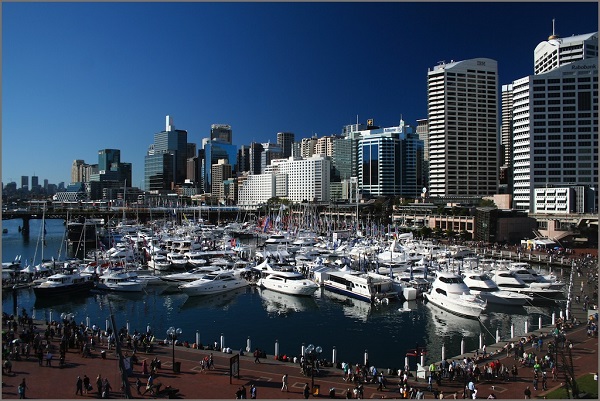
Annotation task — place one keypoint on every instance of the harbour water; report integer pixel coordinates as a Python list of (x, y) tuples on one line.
[(352, 327)]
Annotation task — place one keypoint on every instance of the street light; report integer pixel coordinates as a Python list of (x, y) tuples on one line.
[(312, 352), (173, 333)]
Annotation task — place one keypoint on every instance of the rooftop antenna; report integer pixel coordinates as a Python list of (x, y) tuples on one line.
[(554, 35), (357, 119)]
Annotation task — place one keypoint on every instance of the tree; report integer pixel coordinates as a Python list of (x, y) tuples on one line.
[(425, 232), (487, 203)]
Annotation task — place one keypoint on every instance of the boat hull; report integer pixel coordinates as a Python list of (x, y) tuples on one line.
[(472, 312), (79, 288)]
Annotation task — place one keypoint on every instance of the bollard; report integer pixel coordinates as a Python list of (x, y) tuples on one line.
[(334, 355), (128, 327), (51, 315), (480, 340), (512, 330), (567, 312), (276, 348), (87, 321), (406, 362), (540, 323), (106, 329), (560, 314), (422, 359), (249, 345), (462, 346), (497, 336), (443, 352), (366, 358), (539, 258), (553, 318), (33, 314), (526, 327), (222, 341), (148, 328), (197, 339), (302, 349)]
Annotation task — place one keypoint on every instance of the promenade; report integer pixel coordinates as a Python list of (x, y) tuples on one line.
[(54, 382)]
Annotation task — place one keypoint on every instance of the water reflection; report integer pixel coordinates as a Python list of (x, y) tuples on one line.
[(281, 304)]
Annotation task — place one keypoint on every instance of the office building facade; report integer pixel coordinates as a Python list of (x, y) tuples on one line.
[(463, 128)]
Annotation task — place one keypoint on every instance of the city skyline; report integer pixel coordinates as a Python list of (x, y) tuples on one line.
[(91, 76)]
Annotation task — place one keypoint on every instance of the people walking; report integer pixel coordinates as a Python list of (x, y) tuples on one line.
[(253, 391), (284, 382), (99, 385), (306, 391), (79, 386), (527, 393), (86, 384), (256, 356), (21, 389)]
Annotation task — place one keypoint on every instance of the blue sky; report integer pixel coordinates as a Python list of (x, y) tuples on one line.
[(80, 77)]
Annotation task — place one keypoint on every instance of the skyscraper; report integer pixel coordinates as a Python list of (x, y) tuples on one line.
[(25, 182), (285, 141), (463, 128), (106, 158), (555, 120), (165, 164), (221, 132)]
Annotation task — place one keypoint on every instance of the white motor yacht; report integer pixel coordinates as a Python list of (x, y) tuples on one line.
[(508, 280), (214, 283), (190, 275), (450, 292), (365, 286), (119, 281), (285, 281), (481, 284), (177, 260), (195, 258)]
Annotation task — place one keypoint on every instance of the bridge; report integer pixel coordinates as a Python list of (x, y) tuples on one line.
[(211, 214)]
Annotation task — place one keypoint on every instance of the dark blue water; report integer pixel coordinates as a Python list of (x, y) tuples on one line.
[(265, 316)]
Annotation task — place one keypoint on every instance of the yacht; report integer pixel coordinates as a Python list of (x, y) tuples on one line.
[(177, 260), (119, 281), (214, 283), (285, 281), (190, 275), (526, 273), (277, 239), (159, 262), (508, 280), (365, 286), (195, 258), (69, 281), (450, 292), (481, 284)]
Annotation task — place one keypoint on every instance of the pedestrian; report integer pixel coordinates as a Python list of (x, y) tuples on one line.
[(210, 362), (253, 391), (284, 382), (79, 386), (138, 385), (86, 384), (244, 394), (544, 381), (99, 385), (256, 356), (49, 359), (21, 389), (106, 389), (527, 393), (306, 391)]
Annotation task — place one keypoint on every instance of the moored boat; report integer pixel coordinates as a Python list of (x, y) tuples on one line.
[(69, 281), (450, 292)]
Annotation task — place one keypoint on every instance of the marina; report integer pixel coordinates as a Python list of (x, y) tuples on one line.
[(396, 324)]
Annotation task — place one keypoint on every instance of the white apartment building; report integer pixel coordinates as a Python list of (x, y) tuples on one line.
[(324, 146), (555, 126), (307, 147), (463, 128), (295, 179)]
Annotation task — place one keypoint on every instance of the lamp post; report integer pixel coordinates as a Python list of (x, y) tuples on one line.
[(173, 333), (312, 352)]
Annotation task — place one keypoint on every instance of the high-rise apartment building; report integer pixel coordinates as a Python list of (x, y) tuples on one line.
[(307, 147), (220, 172), (270, 152), (255, 155), (324, 146), (165, 164), (285, 141), (463, 128), (423, 133)]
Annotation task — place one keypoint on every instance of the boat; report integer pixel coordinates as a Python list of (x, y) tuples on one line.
[(481, 284), (159, 262), (365, 286), (449, 291), (177, 260), (189, 276), (120, 281), (277, 239), (69, 281), (195, 258), (214, 283), (286, 281), (526, 273), (508, 280)]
